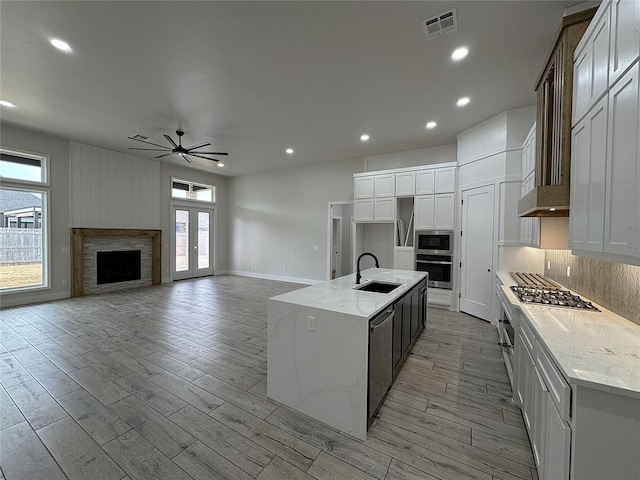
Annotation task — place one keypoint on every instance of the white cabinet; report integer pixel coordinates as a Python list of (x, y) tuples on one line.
[(591, 65), (544, 397), (384, 209), (404, 258), (622, 174), (625, 37), (529, 226), (588, 162), (363, 187), (557, 451), (434, 212), (426, 182), (605, 215), (385, 186), (444, 215), (363, 210), (405, 184), (445, 180), (375, 210), (424, 212)]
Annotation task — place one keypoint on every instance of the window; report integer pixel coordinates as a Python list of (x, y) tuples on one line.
[(23, 221), (193, 191), (22, 167)]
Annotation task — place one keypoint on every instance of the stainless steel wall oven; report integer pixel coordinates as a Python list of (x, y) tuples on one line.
[(439, 268)]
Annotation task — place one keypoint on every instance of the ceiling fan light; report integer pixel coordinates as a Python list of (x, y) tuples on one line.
[(220, 164)]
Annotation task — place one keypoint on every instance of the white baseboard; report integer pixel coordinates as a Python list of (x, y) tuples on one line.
[(280, 278)]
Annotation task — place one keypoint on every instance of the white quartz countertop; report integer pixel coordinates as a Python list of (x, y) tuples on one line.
[(600, 350), (339, 295)]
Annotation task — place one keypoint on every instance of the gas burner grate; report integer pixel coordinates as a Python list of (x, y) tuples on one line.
[(553, 297)]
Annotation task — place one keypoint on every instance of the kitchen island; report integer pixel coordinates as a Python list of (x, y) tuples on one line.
[(318, 345)]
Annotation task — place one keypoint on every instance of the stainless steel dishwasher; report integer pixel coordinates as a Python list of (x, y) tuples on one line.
[(380, 360)]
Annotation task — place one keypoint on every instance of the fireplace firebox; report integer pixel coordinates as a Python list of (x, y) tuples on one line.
[(118, 266)]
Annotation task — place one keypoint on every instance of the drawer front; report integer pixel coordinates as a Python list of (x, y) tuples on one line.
[(527, 335), (559, 390)]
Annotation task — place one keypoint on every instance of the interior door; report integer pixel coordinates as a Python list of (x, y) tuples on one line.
[(476, 277), (192, 242)]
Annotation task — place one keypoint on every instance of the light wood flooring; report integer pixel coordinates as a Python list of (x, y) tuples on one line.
[(169, 382)]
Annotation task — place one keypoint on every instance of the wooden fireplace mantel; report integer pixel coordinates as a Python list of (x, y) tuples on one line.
[(77, 252)]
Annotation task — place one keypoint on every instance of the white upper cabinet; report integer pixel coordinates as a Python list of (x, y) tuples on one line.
[(444, 214), (385, 185), (363, 187), (435, 212), (622, 175), (384, 209), (605, 208), (445, 181), (405, 184), (625, 37), (425, 208), (591, 63), (588, 163), (363, 210), (425, 182)]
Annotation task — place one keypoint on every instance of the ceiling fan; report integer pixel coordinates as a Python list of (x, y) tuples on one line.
[(177, 148)]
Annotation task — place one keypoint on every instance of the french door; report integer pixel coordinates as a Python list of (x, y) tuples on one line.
[(192, 242)]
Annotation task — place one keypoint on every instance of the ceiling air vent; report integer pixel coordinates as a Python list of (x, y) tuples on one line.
[(446, 22), (139, 137)]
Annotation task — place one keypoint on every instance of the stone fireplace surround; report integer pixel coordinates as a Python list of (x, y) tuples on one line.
[(86, 241)]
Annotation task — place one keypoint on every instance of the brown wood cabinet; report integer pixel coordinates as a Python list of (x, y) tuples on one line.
[(554, 90)]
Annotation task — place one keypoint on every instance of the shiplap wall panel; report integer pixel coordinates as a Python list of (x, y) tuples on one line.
[(113, 190)]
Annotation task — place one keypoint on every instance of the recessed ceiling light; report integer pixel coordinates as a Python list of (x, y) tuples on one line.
[(364, 137), (6, 103), (463, 101), (61, 45), (552, 209), (289, 151), (220, 164), (459, 53), (431, 125)]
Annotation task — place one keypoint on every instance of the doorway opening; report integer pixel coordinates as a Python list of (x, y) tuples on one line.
[(341, 227)]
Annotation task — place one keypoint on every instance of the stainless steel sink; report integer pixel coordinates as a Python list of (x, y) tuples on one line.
[(378, 287)]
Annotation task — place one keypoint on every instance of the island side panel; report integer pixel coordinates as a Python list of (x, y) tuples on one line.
[(321, 373)]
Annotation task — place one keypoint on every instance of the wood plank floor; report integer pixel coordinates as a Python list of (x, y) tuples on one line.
[(169, 382)]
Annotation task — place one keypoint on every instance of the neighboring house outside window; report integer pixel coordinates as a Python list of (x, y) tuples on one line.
[(24, 193)]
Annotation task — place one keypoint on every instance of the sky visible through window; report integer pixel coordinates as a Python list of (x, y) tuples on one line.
[(18, 171)]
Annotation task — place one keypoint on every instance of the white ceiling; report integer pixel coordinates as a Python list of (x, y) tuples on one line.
[(254, 78)]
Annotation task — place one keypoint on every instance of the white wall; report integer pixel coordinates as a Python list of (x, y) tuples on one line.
[(278, 217), (411, 158), (59, 211)]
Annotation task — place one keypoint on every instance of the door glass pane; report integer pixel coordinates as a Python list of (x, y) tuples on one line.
[(21, 242), (182, 240), (203, 240)]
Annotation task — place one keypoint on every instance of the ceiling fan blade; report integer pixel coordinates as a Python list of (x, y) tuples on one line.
[(200, 145), (149, 143), (170, 140), (206, 158), (186, 157), (213, 153), (152, 149), (165, 155)]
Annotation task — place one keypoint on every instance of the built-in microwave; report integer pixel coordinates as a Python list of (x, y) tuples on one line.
[(434, 242)]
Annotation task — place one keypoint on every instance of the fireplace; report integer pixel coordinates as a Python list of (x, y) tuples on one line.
[(108, 259), (118, 266)]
